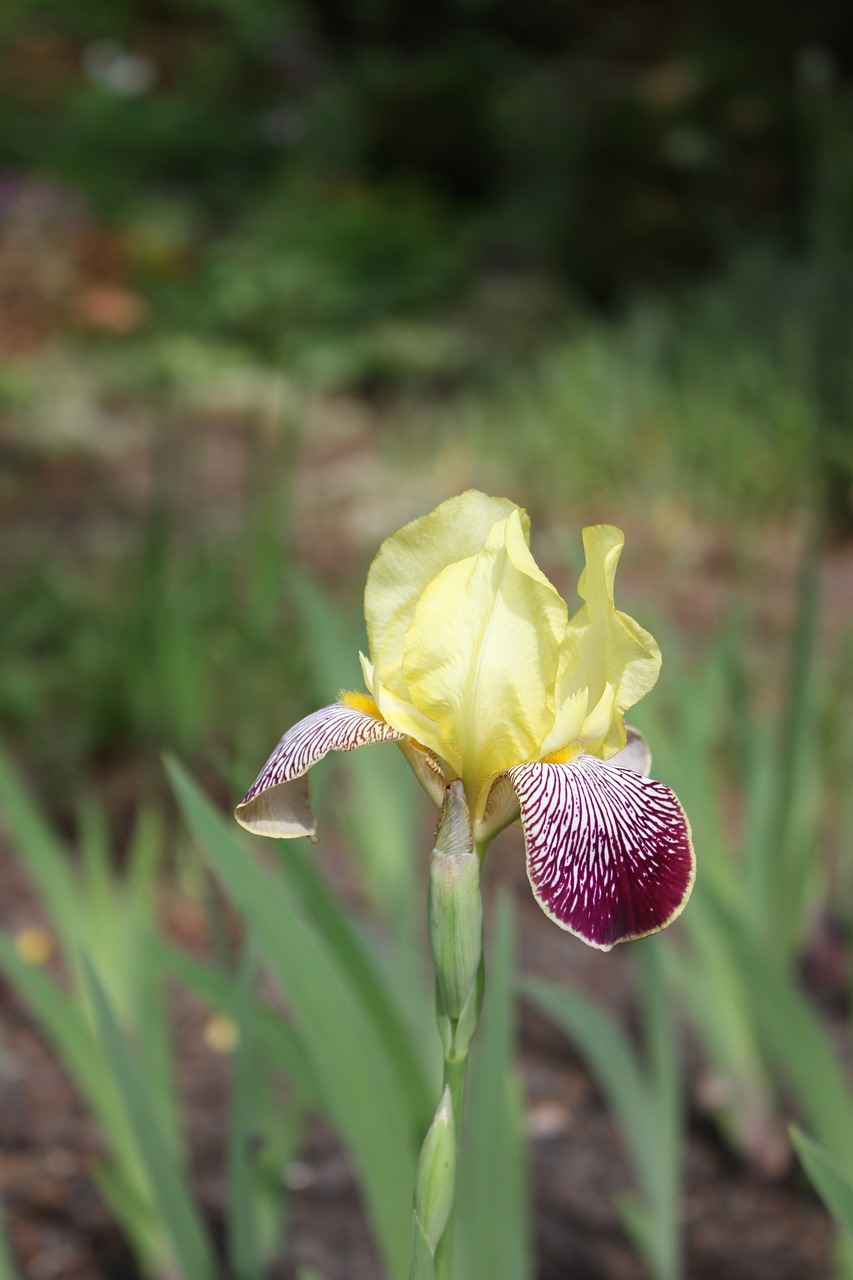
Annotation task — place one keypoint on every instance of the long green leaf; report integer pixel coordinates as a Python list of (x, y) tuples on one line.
[(833, 1186), (243, 1251), (609, 1054), (66, 1027), (645, 1098), (795, 1038), (493, 1238), (378, 993), (43, 855), (357, 1079), (218, 989), (169, 1189)]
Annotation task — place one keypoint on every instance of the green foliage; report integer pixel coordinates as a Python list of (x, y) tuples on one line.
[(364, 1089), (643, 1090), (832, 1183), (170, 1196), (493, 1238), (95, 907), (139, 654), (315, 264)]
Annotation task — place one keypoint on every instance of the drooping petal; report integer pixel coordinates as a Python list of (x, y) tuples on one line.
[(277, 803), (409, 560), (480, 656), (609, 853), (605, 646)]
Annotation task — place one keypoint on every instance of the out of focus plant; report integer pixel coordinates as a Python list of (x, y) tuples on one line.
[(643, 1090), (833, 1184), (133, 657), (110, 1031), (761, 893), (8, 1271)]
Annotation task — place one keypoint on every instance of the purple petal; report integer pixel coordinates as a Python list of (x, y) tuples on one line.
[(276, 804), (609, 853)]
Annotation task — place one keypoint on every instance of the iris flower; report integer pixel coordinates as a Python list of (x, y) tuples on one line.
[(477, 672)]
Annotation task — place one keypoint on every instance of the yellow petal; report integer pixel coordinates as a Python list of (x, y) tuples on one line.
[(409, 560), (480, 655), (604, 646)]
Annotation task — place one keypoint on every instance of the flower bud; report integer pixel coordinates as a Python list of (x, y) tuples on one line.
[(455, 907), (435, 1179)]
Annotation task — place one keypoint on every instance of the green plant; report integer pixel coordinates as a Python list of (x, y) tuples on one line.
[(109, 1027), (643, 1089)]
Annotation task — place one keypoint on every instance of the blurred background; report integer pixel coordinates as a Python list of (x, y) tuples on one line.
[(276, 277)]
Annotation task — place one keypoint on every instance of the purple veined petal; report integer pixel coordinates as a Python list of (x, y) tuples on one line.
[(609, 852), (277, 803)]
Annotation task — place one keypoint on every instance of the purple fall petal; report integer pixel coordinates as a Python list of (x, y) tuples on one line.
[(609, 854)]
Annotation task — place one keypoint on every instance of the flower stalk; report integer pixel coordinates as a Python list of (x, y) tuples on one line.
[(455, 919)]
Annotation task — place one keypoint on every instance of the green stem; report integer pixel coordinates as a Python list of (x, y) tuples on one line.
[(454, 1078)]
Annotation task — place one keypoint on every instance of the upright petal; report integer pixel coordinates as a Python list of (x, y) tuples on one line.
[(480, 655), (609, 853), (605, 646), (277, 804), (408, 561)]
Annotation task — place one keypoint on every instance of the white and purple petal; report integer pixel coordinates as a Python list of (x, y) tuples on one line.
[(277, 802), (609, 853)]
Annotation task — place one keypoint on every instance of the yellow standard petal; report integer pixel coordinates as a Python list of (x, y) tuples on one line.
[(480, 655), (604, 647), (410, 559)]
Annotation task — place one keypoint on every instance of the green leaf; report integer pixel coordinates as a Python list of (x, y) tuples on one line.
[(219, 990), (833, 1186), (493, 1233), (795, 1037), (42, 854), (66, 1027), (378, 993), (644, 1095), (609, 1055), (356, 1077), (169, 1190), (243, 1252)]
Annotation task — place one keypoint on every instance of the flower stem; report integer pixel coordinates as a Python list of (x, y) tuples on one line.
[(455, 919), (454, 1078)]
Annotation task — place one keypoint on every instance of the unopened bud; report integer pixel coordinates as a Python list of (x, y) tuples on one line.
[(435, 1179), (455, 906)]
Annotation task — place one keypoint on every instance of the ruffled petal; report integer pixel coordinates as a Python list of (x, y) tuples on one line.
[(408, 561), (609, 852), (480, 656), (277, 803), (603, 645)]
